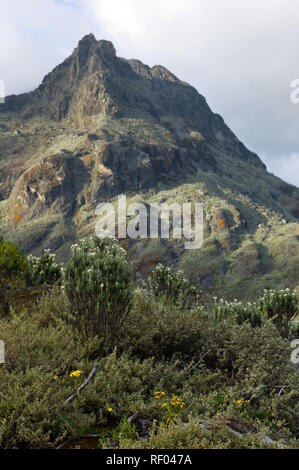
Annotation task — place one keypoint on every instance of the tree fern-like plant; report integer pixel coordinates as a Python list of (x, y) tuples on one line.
[(44, 270), (99, 288), (173, 286), (242, 312), (281, 305)]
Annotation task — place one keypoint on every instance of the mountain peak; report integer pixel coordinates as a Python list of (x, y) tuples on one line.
[(88, 38), (88, 44), (101, 125)]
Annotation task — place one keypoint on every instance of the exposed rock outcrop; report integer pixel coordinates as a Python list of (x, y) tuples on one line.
[(100, 125)]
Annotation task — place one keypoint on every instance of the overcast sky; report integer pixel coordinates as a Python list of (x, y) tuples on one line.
[(242, 55)]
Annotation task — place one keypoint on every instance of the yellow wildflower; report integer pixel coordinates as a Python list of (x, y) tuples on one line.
[(109, 409), (76, 373)]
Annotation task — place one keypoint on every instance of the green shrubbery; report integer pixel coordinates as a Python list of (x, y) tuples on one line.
[(278, 305), (174, 286), (44, 270), (97, 282), (171, 364), (242, 312), (13, 270), (282, 306)]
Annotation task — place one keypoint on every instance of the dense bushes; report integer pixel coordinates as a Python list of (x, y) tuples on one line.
[(13, 269), (241, 312), (161, 329), (227, 362), (281, 305), (44, 270), (174, 286), (229, 369), (97, 282)]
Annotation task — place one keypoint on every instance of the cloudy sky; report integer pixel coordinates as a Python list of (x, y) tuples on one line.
[(241, 55)]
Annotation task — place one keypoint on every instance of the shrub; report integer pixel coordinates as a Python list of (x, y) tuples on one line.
[(281, 305), (242, 312), (13, 268), (44, 270), (173, 285), (162, 329), (213, 435), (99, 288), (236, 370)]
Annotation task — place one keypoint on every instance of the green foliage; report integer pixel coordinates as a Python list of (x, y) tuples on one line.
[(242, 312), (99, 288), (218, 365), (125, 430), (194, 435), (173, 285), (173, 366), (162, 329), (44, 270), (170, 406), (278, 305), (281, 305), (13, 263), (13, 269)]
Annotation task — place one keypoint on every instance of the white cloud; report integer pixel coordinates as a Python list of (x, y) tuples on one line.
[(286, 166), (34, 37)]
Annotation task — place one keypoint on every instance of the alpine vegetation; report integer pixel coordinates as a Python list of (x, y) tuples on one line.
[(98, 285), (100, 360)]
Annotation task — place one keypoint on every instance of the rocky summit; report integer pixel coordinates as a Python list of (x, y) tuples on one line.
[(99, 126)]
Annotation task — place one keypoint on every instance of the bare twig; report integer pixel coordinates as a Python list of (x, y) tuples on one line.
[(281, 389), (87, 381), (197, 363)]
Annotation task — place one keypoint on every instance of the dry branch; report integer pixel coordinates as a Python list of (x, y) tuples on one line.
[(87, 381)]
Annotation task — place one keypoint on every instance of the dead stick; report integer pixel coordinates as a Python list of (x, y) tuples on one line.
[(281, 387), (87, 381), (197, 363)]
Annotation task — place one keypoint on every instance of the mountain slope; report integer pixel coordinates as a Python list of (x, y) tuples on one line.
[(99, 126)]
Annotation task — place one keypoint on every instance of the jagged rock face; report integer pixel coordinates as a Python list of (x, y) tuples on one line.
[(99, 126), (174, 131), (51, 185)]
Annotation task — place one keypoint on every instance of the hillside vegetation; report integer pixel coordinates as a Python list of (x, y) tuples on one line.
[(194, 373)]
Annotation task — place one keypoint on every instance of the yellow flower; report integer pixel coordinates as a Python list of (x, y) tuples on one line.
[(55, 377), (239, 402), (76, 373), (163, 404), (109, 409)]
